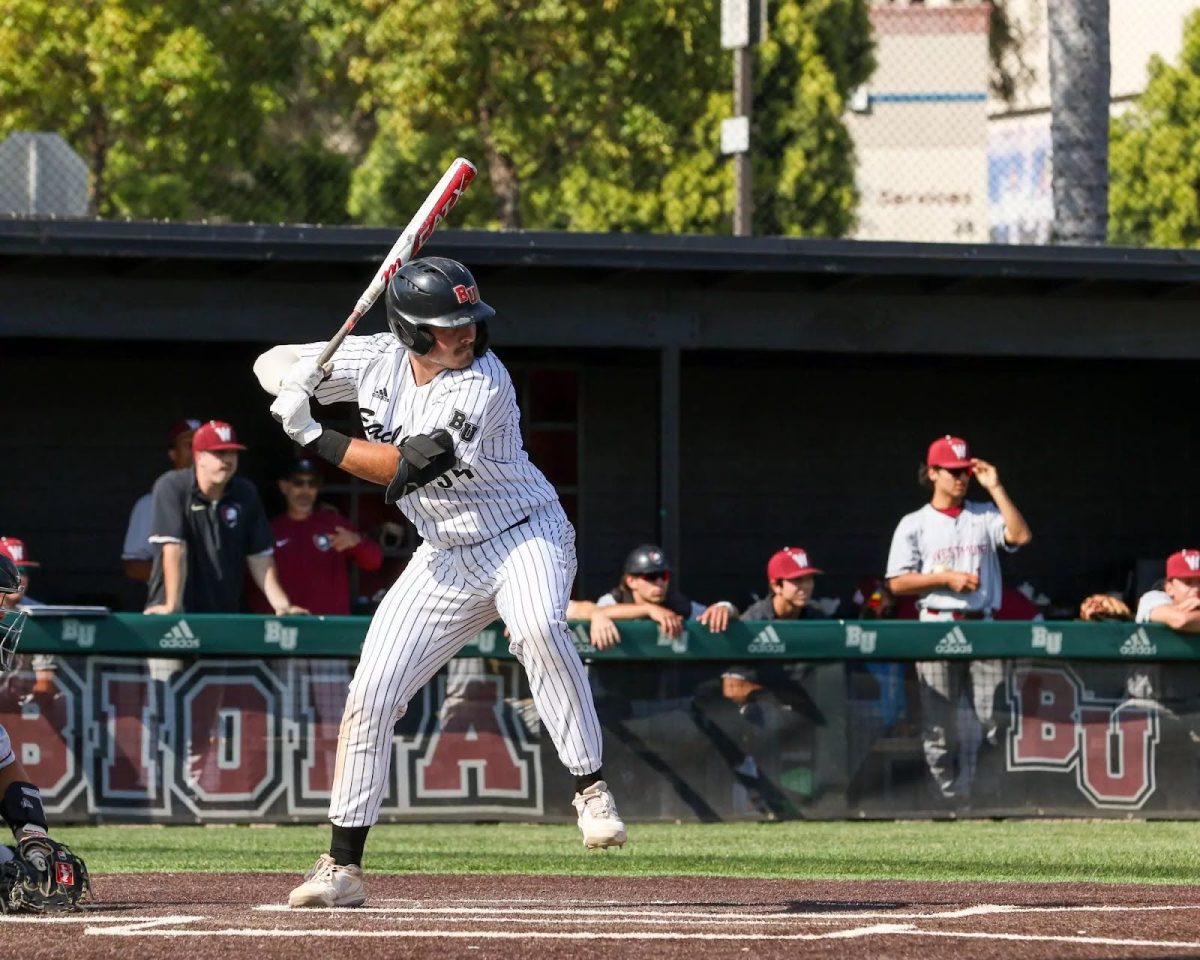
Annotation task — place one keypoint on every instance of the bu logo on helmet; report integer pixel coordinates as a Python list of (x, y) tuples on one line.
[(466, 294)]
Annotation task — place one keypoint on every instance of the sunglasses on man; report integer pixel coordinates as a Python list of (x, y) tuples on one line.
[(654, 577), (305, 482), (957, 471)]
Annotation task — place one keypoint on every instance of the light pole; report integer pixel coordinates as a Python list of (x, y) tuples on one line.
[(743, 24)]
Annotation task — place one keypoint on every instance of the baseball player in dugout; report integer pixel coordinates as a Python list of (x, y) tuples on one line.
[(443, 436), (645, 592), (791, 579), (1177, 604), (209, 525), (946, 554), (36, 873)]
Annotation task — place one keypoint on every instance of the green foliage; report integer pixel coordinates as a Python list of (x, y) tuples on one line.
[(599, 116), (1154, 155)]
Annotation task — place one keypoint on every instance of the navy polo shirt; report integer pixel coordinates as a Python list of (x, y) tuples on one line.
[(219, 536)]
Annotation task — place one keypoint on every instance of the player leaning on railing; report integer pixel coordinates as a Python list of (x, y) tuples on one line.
[(38, 873)]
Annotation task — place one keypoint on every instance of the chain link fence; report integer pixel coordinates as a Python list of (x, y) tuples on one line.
[(326, 111)]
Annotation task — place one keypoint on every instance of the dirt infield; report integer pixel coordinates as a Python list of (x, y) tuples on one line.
[(210, 916)]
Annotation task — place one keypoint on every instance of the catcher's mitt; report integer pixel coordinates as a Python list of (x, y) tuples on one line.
[(43, 876)]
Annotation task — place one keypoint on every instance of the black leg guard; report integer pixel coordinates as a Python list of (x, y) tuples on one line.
[(21, 806)]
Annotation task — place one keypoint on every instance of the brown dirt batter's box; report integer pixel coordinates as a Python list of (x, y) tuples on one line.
[(203, 916)]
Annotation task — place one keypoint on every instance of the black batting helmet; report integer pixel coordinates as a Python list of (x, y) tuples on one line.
[(12, 622), (646, 558), (435, 292)]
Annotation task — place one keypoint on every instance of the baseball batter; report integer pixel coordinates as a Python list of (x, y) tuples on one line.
[(443, 436), (946, 554)]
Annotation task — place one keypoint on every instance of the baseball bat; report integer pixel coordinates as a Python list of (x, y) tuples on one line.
[(454, 182)]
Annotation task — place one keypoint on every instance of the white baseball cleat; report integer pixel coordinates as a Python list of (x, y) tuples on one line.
[(330, 885), (598, 817)]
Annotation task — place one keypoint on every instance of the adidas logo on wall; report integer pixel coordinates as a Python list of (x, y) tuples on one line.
[(767, 641), (955, 642), (179, 637), (1138, 645)]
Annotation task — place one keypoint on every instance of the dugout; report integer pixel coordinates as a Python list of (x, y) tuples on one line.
[(723, 396)]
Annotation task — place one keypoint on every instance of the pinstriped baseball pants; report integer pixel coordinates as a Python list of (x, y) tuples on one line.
[(444, 598)]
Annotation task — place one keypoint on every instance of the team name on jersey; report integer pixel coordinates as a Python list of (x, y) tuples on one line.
[(375, 430)]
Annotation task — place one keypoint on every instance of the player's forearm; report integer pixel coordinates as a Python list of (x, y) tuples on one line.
[(266, 577), (913, 583), (1016, 530), (367, 460), (626, 611), (1183, 621), (174, 558)]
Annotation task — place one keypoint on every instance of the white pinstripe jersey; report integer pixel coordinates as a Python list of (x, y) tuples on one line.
[(493, 485), (6, 751)]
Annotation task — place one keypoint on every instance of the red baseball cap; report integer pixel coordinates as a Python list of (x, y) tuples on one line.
[(215, 435), (948, 451), (15, 550), (1184, 564), (179, 428), (789, 563)]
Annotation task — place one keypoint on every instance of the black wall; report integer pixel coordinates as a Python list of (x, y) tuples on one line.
[(818, 451)]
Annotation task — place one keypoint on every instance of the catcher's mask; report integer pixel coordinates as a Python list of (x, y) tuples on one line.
[(435, 292), (12, 621)]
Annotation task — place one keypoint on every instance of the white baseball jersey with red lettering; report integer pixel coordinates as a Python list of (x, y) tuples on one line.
[(930, 541), (494, 485)]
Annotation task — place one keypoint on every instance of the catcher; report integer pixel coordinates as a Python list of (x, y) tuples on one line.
[(37, 874)]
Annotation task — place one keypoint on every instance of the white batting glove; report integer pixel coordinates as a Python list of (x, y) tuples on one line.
[(304, 375), (292, 411)]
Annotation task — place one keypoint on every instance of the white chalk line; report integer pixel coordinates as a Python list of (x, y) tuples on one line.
[(610, 916)]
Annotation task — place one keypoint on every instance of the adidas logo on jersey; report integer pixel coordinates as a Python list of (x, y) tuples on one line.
[(179, 637), (955, 642), (767, 641), (381, 394), (1138, 645)]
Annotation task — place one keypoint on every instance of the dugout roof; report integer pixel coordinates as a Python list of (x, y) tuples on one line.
[(168, 281)]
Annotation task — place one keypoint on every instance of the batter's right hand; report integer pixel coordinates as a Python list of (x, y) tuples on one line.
[(304, 375), (963, 582), (291, 409)]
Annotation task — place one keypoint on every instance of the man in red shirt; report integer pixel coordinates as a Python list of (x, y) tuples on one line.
[(314, 547)]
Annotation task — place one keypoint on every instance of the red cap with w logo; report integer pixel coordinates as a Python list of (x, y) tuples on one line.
[(215, 435), (1184, 564), (950, 452)]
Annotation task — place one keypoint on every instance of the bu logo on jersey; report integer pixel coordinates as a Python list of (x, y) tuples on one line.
[(1109, 745), (466, 429), (466, 294)]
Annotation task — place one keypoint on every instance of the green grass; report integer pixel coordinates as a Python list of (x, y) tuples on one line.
[(1026, 851)]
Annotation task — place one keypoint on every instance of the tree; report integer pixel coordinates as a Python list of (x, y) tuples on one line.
[(1079, 82), (1155, 151), (168, 104), (606, 116)]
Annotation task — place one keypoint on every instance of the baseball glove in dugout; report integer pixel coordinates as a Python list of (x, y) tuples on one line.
[(43, 876)]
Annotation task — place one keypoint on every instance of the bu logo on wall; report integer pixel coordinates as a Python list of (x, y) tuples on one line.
[(1107, 745)]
